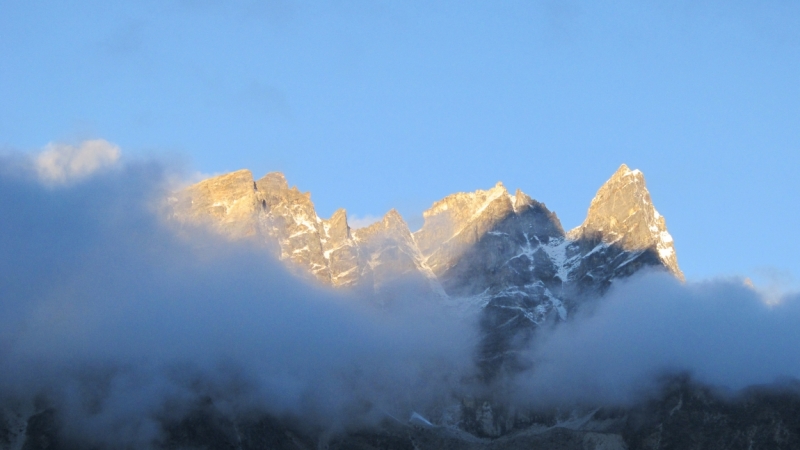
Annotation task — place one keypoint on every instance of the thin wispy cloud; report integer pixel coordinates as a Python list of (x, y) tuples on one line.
[(357, 221), (62, 163)]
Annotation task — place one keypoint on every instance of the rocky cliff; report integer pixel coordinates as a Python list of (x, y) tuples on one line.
[(506, 255), (487, 248), (285, 221)]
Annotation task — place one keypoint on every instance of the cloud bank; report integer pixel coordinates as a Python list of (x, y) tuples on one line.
[(118, 318), (722, 332), (115, 318)]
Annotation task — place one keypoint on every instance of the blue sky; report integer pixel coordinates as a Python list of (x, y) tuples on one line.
[(376, 104)]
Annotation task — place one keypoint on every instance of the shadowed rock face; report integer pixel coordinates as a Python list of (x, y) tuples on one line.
[(475, 245), (504, 254), (691, 416), (469, 239), (491, 250), (456, 223)]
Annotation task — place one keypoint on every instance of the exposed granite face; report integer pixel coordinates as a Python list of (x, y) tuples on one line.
[(287, 217), (493, 243), (341, 250), (457, 224), (486, 248), (240, 208), (505, 255), (227, 203), (285, 220), (454, 224), (622, 215)]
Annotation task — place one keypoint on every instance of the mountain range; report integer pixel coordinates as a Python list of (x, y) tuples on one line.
[(473, 248), (501, 255)]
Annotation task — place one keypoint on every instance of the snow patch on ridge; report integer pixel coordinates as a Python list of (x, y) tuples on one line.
[(557, 252)]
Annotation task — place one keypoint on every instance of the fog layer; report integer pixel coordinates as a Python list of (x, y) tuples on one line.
[(722, 332), (116, 317)]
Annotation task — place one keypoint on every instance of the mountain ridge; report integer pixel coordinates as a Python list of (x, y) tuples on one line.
[(504, 255), (236, 205)]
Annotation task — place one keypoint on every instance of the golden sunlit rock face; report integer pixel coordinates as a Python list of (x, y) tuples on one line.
[(479, 246), (456, 223), (227, 203), (285, 220), (623, 214)]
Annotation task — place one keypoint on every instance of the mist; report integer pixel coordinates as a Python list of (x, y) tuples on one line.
[(722, 333), (116, 318)]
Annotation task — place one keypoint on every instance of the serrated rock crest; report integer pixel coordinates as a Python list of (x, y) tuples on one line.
[(484, 248)]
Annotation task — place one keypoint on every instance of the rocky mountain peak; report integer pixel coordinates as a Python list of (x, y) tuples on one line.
[(622, 214), (393, 219), (392, 224), (275, 181), (505, 254), (479, 243), (458, 221), (521, 200), (389, 254), (226, 203), (336, 228)]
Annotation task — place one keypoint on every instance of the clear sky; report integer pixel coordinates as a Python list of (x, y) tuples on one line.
[(378, 104)]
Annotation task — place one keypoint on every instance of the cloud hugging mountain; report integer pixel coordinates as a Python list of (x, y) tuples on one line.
[(228, 315)]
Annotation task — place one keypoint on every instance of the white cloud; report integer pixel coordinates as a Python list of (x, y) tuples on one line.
[(356, 221), (62, 163), (98, 291), (722, 332)]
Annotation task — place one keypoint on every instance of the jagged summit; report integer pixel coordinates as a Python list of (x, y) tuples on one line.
[(479, 243), (622, 214), (225, 202), (274, 181), (457, 222), (506, 255)]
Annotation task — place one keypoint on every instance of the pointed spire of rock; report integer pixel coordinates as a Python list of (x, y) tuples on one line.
[(336, 228), (392, 224), (521, 200), (393, 219), (623, 214), (340, 250), (273, 181)]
